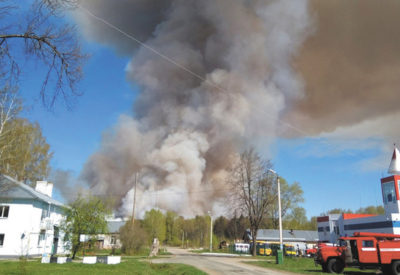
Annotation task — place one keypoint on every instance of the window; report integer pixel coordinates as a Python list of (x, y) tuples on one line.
[(113, 239), (336, 229), (388, 192), (4, 209), (42, 236), (368, 243), (1, 240), (44, 213)]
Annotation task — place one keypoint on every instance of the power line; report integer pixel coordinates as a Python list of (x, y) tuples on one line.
[(186, 69)]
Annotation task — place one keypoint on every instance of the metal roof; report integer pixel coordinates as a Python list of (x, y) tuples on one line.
[(13, 189), (114, 226), (287, 235)]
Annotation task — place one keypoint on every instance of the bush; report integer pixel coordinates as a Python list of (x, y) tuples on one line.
[(133, 238)]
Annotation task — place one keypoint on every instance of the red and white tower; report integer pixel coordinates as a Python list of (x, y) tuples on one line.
[(391, 185)]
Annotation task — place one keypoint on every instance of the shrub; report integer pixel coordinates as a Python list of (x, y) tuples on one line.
[(133, 237)]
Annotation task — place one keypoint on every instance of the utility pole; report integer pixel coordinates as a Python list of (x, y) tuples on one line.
[(280, 214), (279, 210), (183, 238), (209, 212), (134, 199)]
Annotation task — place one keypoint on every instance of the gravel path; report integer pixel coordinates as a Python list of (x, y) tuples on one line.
[(215, 265)]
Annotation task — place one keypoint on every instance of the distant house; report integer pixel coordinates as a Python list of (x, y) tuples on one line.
[(111, 239), (29, 219), (301, 239)]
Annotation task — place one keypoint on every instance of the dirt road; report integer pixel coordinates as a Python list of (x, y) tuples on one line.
[(215, 265)]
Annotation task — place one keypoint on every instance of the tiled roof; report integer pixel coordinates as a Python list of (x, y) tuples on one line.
[(13, 189)]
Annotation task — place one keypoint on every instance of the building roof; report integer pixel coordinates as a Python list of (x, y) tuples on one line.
[(13, 189), (394, 167), (288, 235), (350, 216), (115, 224)]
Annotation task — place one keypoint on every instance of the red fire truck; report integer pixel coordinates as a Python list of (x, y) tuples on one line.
[(363, 250)]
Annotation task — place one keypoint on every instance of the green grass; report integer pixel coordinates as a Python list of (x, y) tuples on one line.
[(127, 266), (303, 266)]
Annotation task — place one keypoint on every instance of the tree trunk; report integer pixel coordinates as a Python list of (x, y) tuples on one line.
[(75, 249), (254, 252)]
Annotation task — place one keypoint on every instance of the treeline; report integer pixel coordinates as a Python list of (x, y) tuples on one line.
[(24, 152), (375, 210), (172, 229)]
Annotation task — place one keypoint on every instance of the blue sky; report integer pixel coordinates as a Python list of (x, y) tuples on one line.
[(75, 134), (328, 180)]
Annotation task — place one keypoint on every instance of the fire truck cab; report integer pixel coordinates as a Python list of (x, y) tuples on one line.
[(363, 250)]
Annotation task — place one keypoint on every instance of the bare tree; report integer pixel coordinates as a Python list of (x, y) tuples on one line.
[(10, 106), (41, 37), (253, 189)]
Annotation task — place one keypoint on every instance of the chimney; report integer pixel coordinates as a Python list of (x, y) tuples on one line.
[(44, 187)]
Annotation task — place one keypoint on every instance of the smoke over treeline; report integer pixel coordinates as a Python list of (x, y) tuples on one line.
[(318, 65)]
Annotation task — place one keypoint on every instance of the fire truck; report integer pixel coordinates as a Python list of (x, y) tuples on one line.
[(363, 250)]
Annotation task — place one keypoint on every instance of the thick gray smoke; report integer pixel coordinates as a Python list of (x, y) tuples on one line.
[(188, 128)]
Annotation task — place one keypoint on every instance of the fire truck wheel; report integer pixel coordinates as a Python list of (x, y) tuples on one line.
[(335, 266), (396, 267)]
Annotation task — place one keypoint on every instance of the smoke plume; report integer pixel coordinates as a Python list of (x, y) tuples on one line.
[(188, 127), (351, 68)]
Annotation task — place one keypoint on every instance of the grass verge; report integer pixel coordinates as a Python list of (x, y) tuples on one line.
[(127, 266), (303, 266)]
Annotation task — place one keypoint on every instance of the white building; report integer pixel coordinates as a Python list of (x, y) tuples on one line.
[(333, 226), (29, 219)]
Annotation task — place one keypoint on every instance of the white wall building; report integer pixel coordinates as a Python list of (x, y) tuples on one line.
[(29, 219), (333, 226)]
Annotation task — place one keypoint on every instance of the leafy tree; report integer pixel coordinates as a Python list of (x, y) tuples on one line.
[(86, 215), (25, 153), (33, 31), (237, 227), (253, 191), (170, 227), (133, 237), (376, 210), (336, 211), (154, 224), (296, 219), (219, 227), (291, 196)]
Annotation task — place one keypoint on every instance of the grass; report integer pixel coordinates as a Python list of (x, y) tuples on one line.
[(303, 266), (127, 266)]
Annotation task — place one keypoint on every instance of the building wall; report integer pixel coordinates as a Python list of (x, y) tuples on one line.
[(329, 228), (24, 224)]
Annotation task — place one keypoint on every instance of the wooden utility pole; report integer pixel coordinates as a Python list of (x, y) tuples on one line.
[(134, 198)]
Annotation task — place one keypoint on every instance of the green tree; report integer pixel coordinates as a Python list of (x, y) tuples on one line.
[(375, 210), (133, 237), (154, 224), (25, 153), (296, 219), (86, 215), (220, 227), (336, 211), (171, 228), (291, 197)]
